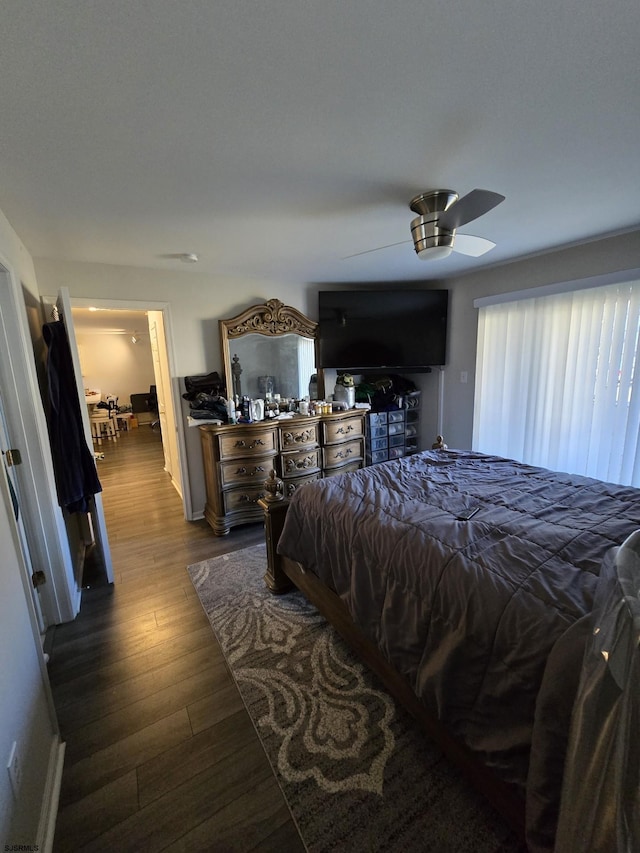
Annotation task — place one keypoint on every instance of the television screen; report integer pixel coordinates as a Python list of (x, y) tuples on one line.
[(393, 330)]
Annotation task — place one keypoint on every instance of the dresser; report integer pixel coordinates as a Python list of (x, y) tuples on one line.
[(239, 457)]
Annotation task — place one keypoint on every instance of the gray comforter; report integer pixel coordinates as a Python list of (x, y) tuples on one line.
[(470, 611)]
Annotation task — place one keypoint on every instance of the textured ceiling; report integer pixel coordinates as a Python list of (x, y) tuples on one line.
[(276, 138)]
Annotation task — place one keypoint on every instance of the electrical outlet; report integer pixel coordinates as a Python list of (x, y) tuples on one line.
[(14, 769)]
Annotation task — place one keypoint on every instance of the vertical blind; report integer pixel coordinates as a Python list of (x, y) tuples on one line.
[(306, 365), (557, 382)]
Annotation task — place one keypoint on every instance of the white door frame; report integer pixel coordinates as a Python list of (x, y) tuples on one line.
[(166, 412)]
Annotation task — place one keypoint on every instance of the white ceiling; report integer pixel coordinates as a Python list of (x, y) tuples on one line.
[(275, 138), (111, 321)]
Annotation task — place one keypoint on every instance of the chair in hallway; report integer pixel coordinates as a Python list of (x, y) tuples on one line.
[(112, 403), (102, 426)]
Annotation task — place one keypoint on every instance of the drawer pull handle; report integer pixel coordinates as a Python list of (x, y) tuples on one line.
[(342, 453), (257, 470), (249, 500), (343, 431), (242, 443)]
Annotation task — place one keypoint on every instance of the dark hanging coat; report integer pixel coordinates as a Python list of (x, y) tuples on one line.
[(73, 462)]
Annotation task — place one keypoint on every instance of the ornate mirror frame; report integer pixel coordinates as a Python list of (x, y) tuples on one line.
[(271, 319)]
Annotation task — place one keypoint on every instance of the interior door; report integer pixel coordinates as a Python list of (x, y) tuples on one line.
[(162, 372), (162, 408), (96, 513), (9, 461)]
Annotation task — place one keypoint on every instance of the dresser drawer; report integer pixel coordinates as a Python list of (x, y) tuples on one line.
[(250, 471), (378, 432), (340, 430), (248, 444), (377, 419), (243, 498), (298, 461), (377, 456), (338, 454), (375, 444), (298, 435), (290, 486), (344, 469)]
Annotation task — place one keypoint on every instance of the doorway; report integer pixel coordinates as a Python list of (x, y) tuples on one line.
[(124, 351)]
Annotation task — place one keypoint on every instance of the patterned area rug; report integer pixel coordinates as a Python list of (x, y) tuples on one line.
[(356, 772)]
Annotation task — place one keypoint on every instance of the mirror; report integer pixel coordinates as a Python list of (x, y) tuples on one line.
[(268, 349)]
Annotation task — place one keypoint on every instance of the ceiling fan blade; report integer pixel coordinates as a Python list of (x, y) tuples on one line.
[(466, 244), (185, 257), (377, 249), (469, 207)]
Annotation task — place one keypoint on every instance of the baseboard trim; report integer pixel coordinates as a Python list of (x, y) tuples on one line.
[(176, 486), (77, 602), (51, 797)]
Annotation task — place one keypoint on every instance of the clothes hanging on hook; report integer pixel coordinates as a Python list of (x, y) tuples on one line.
[(73, 463)]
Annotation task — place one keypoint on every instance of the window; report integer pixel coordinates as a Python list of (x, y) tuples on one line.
[(557, 382)]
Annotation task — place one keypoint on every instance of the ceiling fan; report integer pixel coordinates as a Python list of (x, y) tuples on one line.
[(440, 214)]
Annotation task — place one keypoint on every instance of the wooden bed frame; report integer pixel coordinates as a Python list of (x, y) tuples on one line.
[(283, 574)]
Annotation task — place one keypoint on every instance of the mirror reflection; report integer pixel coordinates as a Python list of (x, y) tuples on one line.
[(268, 352), (262, 367)]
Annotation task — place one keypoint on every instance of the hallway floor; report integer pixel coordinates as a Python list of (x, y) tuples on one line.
[(160, 752)]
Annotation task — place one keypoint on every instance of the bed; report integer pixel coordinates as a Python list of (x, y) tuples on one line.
[(468, 583)]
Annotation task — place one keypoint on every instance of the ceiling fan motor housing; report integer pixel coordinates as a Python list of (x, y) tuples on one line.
[(430, 241), (433, 201)]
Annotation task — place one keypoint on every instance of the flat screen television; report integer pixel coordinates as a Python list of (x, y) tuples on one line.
[(390, 330)]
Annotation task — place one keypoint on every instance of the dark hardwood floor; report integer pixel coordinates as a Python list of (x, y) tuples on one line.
[(160, 753)]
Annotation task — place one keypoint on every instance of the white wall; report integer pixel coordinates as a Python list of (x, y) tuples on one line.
[(115, 365)]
